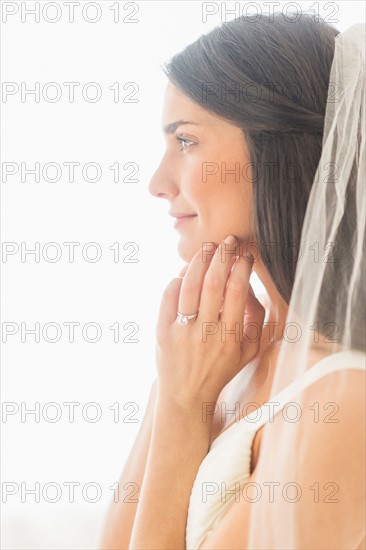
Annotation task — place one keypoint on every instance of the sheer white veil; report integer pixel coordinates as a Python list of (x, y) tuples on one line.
[(311, 470)]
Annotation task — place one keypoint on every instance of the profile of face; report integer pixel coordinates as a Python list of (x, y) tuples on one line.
[(204, 173)]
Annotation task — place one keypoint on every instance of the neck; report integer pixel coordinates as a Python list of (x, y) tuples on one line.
[(275, 305), (259, 372)]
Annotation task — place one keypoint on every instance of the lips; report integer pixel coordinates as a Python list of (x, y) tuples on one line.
[(181, 218), (179, 215)]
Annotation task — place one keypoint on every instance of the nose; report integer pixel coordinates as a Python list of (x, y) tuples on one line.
[(162, 183)]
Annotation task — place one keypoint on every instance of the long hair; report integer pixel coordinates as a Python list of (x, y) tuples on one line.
[(269, 77)]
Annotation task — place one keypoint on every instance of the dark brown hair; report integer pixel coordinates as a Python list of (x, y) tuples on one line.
[(269, 77)]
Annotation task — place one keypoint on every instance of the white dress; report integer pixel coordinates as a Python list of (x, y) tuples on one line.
[(226, 467)]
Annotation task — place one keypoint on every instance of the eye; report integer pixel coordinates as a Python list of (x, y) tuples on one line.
[(184, 142)]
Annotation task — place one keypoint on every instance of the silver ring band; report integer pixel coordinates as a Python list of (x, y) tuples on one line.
[(183, 319)]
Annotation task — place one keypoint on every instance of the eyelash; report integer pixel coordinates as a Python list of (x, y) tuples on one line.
[(183, 140)]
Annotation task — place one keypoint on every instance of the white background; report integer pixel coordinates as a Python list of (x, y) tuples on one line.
[(105, 212)]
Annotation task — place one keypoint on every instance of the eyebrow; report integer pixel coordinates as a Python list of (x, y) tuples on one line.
[(170, 128)]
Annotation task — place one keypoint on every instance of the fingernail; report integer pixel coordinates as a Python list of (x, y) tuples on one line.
[(230, 239)]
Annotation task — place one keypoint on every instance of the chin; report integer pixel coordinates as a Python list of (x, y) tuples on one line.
[(187, 249)]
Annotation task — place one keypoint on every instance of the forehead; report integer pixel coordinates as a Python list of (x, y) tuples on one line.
[(178, 106)]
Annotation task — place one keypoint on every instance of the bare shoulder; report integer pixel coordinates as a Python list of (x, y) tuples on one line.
[(345, 386), (333, 411), (328, 453), (332, 426)]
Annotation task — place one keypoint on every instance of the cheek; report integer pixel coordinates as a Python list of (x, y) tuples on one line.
[(217, 194), (220, 201), (193, 187)]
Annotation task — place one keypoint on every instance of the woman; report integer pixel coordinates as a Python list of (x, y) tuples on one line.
[(264, 125)]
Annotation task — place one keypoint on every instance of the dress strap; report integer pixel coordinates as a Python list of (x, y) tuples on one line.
[(347, 359)]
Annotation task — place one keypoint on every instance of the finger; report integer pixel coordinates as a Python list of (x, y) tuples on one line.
[(215, 279), (189, 298), (236, 295), (168, 306), (183, 271)]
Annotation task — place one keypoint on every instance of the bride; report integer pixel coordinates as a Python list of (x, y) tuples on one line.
[(254, 434)]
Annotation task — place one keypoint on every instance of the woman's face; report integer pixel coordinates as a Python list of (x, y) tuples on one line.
[(206, 175)]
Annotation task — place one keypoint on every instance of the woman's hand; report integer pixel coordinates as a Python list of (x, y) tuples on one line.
[(198, 359)]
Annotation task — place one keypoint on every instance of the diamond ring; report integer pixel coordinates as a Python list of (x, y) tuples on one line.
[(183, 319)]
